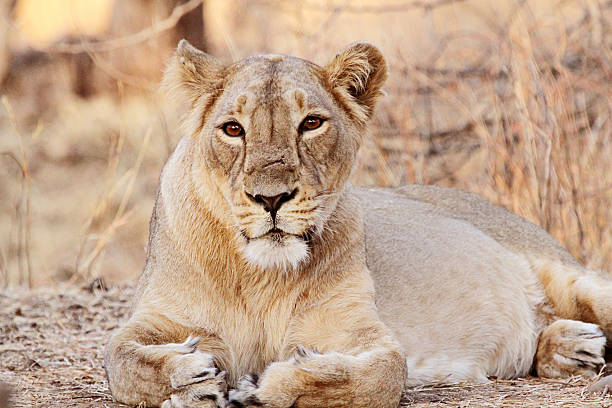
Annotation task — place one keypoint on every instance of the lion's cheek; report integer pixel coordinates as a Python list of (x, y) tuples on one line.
[(222, 156), (329, 158), (224, 161)]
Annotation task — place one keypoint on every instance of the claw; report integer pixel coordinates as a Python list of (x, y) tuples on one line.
[(244, 394), (248, 382), (192, 342), (207, 374), (301, 351)]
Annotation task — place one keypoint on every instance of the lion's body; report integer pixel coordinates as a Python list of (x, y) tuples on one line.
[(460, 303), (262, 262), (466, 286), (195, 285)]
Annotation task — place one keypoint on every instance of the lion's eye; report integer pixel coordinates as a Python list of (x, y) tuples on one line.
[(311, 123), (233, 129)]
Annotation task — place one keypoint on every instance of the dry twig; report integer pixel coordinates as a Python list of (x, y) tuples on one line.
[(130, 40)]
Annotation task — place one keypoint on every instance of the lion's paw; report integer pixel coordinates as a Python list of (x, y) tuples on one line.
[(191, 368), (245, 393), (209, 393), (570, 347)]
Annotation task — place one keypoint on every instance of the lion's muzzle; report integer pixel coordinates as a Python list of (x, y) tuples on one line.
[(272, 204)]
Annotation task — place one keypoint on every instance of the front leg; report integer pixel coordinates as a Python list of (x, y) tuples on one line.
[(144, 367), (354, 360), (372, 379)]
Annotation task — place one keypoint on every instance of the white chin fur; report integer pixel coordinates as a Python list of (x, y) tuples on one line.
[(267, 253)]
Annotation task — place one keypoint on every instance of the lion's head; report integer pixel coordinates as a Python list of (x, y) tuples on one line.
[(278, 137)]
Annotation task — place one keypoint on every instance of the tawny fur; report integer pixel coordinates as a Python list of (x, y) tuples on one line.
[(347, 294), (481, 285)]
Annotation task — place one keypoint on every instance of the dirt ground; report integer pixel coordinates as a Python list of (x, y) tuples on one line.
[(51, 345)]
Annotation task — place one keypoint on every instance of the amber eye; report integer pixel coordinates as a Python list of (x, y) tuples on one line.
[(233, 129), (311, 123)]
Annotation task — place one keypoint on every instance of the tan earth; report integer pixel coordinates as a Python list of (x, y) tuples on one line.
[(51, 344)]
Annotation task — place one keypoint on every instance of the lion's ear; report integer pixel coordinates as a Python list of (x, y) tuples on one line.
[(192, 73), (360, 71)]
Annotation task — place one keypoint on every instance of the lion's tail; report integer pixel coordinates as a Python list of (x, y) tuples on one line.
[(578, 293)]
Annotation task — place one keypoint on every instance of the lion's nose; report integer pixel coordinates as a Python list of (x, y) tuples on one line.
[(272, 204)]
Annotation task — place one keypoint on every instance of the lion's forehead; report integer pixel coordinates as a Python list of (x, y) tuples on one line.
[(274, 80)]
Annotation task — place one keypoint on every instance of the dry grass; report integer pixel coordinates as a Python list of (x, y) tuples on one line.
[(94, 171), (519, 112), (525, 120), (51, 346), (51, 350)]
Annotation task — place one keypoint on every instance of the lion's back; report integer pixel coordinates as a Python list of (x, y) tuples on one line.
[(507, 228)]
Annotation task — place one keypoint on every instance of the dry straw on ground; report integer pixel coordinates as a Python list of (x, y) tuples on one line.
[(51, 349)]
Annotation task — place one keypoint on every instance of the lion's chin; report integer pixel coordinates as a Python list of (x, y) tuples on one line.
[(284, 252)]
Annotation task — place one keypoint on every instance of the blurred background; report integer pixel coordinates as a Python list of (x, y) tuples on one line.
[(510, 99)]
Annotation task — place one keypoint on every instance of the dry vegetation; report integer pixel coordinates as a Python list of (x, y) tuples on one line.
[(525, 121), (515, 106), (51, 350)]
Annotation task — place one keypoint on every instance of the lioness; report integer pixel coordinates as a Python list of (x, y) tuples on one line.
[(269, 276)]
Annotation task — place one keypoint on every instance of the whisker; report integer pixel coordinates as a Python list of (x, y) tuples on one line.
[(327, 194)]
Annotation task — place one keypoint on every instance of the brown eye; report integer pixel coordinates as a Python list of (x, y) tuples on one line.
[(311, 123), (233, 129)]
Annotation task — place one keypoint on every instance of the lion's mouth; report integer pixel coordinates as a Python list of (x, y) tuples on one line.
[(277, 235)]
